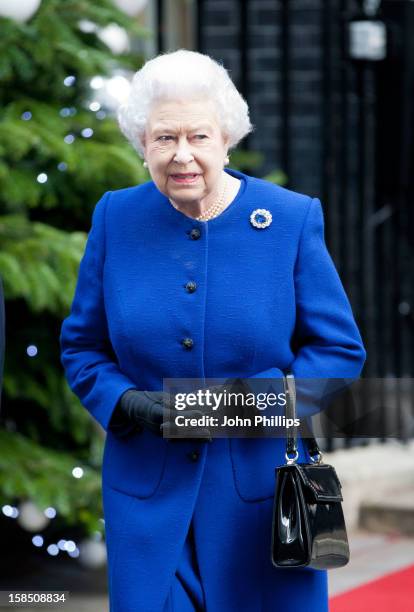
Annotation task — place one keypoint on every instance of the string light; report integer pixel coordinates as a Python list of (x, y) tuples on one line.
[(53, 550), (37, 540), (94, 106), (69, 81), (42, 177), (10, 511), (62, 166), (26, 116), (32, 349), (50, 512), (77, 472), (87, 132), (69, 139), (70, 546)]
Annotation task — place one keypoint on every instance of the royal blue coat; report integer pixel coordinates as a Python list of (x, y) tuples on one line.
[(266, 300)]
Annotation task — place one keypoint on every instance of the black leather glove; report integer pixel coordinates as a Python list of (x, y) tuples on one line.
[(151, 409)]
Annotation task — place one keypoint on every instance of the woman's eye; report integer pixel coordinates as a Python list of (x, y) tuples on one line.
[(201, 136), (164, 138)]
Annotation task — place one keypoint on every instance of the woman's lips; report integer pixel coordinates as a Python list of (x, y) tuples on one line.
[(184, 178)]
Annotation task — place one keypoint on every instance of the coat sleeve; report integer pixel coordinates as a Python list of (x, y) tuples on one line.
[(329, 354), (90, 365)]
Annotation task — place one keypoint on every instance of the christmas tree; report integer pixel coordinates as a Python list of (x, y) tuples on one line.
[(59, 152)]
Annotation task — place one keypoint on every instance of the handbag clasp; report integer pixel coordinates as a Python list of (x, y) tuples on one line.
[(291, 459)]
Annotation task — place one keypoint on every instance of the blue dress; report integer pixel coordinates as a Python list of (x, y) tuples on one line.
[(266, 300)]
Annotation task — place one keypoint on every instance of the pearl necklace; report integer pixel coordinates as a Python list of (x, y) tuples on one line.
[(213, 210), (217, 207)]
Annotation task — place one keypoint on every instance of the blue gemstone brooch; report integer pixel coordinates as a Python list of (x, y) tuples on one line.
[(261, 218)]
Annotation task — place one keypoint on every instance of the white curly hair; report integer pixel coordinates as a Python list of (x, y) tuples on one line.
[(177, 75)]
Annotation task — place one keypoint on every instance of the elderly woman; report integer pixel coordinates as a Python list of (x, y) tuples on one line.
[(202, 272)]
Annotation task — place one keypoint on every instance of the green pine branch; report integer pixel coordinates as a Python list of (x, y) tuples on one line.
[(30, 471), (39, 263)]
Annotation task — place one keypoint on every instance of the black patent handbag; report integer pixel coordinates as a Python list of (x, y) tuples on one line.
[(308, 527)]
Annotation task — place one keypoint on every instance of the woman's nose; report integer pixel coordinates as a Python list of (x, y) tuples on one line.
[(183, 154)]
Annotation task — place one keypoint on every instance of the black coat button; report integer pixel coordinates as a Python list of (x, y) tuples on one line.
[(195, 233), (191, 286), (194, 456), (188, 343)]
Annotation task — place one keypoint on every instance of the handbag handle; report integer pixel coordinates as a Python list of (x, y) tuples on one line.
[(291, 436)]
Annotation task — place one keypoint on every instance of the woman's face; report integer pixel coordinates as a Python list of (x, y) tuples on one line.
[(185, 150)]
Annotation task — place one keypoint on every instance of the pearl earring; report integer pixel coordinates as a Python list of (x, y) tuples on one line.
[(226, 160), (145, 164)]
